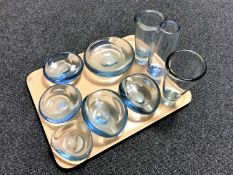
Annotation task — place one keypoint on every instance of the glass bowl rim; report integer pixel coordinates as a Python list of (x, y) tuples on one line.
[(169, 58)]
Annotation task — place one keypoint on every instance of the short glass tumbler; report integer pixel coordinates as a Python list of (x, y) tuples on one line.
[(73, 141), (60, 103), (109, 58), (184, 69), (169, 37), (147, 33), (105, 113), (63, 68), (141, 94)]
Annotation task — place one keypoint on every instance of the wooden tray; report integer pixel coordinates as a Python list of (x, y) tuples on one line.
[(37, 84)]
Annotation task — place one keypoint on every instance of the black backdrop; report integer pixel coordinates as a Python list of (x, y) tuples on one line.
[(195, 140)]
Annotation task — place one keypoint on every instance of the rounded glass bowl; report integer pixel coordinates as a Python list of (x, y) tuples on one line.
[(73, 141), (140, 93), (109, 57), (60, 103), (63, 68), (105, 113)]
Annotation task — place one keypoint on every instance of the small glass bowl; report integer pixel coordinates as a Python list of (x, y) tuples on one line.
[(109, 57), (60, 103), (105, 113), (63, 68), (141, 94), (73, 141)]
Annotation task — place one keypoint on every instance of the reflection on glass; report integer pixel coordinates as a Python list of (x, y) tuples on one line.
[(63, 68), (60, 103), (184, 69), (147, 33), (73, 141)]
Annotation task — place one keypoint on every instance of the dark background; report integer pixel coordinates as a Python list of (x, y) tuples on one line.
[(196, 140)]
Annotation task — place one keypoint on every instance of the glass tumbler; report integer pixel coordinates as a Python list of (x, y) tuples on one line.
[(147, 33), (170, 32), (184, 69)]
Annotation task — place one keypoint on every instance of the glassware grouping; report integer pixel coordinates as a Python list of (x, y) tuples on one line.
[(102, 116), (179, 70), (103, 112)]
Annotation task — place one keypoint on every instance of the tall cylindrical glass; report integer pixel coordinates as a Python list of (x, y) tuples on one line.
[(146, 34), (167, 43), (183, 70)]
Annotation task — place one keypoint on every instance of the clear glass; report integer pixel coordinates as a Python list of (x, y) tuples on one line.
[(60, 103), (169, 37), (146, 33), (109, 57), (184, 69), (105, 113), (73, 141), (63, 68), (140, 93)]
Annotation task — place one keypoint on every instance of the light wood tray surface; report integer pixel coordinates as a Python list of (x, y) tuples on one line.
[(37, 84)]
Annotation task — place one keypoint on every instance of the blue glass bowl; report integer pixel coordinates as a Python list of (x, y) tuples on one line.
[(60, 103), (63, 68), (140, 93), (73, 141), (105, 113), (109, 57)]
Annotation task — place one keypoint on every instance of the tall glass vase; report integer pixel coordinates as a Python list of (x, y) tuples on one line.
[(167, 43)]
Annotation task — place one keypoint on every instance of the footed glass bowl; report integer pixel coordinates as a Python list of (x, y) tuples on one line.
[(105, 113), (109, 57), (73, 141), (60, 103), (63, 68), (140, 93)]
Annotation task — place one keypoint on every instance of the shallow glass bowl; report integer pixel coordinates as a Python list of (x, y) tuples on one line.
[(63, 68), (73, 141), (60, 103), (109, 57), (105, 113), (140, 93)]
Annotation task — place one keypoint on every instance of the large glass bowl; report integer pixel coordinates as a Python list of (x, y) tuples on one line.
[(109, 57), (73, 141), (105, 113), (140, 93), (60, 103), (63, 68)]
